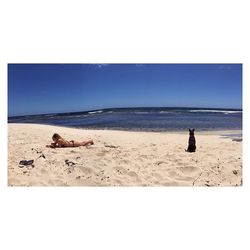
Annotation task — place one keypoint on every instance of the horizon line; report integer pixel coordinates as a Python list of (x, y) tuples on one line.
[(92, 110)]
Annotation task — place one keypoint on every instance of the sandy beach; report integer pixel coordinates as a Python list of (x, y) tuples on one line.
[(122, 158)]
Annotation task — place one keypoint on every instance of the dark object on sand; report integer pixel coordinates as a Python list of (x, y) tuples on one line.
[(69, 163), (42, 155), (111, 146), (237, 139), (235, 172), (191, 142), (25, 163)]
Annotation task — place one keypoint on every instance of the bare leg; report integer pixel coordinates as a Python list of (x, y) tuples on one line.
[(84, 143)]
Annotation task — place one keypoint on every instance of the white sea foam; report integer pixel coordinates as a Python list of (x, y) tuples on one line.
[(95, 112), (165, 112), (216, 111), (141, 112), (232, 112)]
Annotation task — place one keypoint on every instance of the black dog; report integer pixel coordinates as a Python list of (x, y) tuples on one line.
[(191, 141)]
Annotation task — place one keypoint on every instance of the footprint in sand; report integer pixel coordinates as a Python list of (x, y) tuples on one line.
[(186, 178), (85, 170), (172, 173), (125, 161), (132, 174), (188, 169), (118, 182), (158, 176), (161, 163)]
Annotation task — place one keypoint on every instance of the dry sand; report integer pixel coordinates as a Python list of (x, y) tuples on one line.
[(121, 158)]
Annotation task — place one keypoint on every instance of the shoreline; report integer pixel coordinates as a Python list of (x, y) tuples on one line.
[(122, 158), (234, 132)]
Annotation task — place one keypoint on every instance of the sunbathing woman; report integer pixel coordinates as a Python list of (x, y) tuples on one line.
[(60, 142)]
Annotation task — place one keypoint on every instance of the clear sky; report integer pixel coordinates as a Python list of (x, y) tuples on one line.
[(52, 88)]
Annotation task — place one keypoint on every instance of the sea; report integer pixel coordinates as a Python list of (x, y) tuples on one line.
[(158, 119)]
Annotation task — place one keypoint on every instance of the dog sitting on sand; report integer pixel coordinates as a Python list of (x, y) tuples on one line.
[(191, 142)]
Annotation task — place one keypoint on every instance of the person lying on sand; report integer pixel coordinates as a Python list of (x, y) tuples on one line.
[(60, 142)]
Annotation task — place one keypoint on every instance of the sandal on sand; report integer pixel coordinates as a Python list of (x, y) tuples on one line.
[(26, 163)]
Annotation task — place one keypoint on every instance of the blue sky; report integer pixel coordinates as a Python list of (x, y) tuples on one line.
[(52, 88)]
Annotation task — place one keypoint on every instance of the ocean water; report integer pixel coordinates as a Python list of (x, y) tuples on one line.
[(143, 119)]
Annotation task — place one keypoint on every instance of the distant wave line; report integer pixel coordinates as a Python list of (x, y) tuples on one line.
[(95, 112), (215, 111)]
